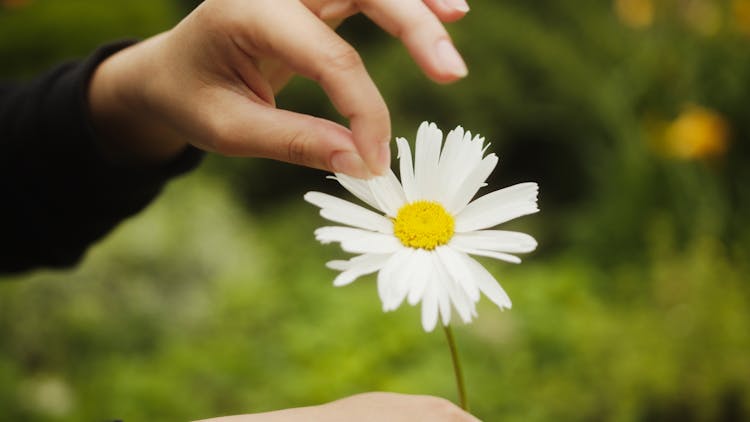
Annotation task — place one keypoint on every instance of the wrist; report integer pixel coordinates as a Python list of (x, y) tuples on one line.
[(118, 108)]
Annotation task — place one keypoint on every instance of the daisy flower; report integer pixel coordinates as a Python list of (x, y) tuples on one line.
[(421, 230)]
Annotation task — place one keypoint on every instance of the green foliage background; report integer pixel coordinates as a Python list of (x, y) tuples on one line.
[(216, 301)]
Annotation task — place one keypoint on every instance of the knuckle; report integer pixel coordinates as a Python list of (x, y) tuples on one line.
[(343, 58), (297, 148), (221, 136), (375, 109), (220, 16), (380, 111)]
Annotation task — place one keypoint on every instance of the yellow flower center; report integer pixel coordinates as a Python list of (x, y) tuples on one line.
[(423, 224)]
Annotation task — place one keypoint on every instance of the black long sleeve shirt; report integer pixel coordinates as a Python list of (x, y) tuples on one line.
[(58, 192)]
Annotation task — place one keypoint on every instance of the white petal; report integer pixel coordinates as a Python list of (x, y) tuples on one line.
[(488, 285), (453, 165), (358, 188), (340, 264), (454, 262), (406, 169), (388, 193), (393, 279), (345, 212), (330, 234), (492, 254), (498, 207), (495, 240), (461, 156), (461, 301), (444, 285), (357, 267), (471, 184), (429, 307), (427, 156), (358, 240), (423, 272), (451, 149), (444, 303)]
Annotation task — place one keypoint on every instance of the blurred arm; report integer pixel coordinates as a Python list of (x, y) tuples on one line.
[(60, 190)]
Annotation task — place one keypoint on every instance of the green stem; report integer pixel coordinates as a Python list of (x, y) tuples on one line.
[(456, 368)]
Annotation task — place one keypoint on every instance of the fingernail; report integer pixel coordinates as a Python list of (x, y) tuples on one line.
[(384, 157), (450, 59), (336, 9), (459, 5), (349, 163)]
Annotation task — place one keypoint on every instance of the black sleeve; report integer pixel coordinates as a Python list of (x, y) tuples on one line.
[(58, 193)]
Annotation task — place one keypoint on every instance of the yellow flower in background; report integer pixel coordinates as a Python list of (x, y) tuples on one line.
[(697, 133), (741, 14), (635, 13), (427, 225)]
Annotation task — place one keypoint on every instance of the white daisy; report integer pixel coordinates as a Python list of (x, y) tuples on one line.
[(420, 247)]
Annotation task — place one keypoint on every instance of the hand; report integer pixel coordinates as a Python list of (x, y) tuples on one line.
[(368, 407), (210, 81)]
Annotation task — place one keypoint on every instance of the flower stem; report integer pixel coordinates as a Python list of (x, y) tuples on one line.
[(456, 368)]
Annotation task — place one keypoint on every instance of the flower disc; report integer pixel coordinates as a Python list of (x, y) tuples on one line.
[(423, 225)]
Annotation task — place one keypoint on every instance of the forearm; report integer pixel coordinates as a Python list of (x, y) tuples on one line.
[(60, 190)]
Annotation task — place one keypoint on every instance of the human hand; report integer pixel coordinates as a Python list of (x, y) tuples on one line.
[(368, 407), (210, 82)]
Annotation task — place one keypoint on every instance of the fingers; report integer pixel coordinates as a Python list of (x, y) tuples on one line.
[(323, 56), (279, 74), (296, 39), (448, 10), (421, 31), (253, 129), (394, 407), (417, 23)]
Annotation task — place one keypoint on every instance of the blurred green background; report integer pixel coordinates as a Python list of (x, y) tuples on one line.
[(631, 114)]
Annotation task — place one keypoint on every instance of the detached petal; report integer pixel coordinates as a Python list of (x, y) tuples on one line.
[(498, 207)]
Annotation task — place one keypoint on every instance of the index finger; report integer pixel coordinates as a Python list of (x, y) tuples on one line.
[(295, 35)]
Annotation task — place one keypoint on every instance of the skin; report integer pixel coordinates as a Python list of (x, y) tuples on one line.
[(210, 82), (368, 407)]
